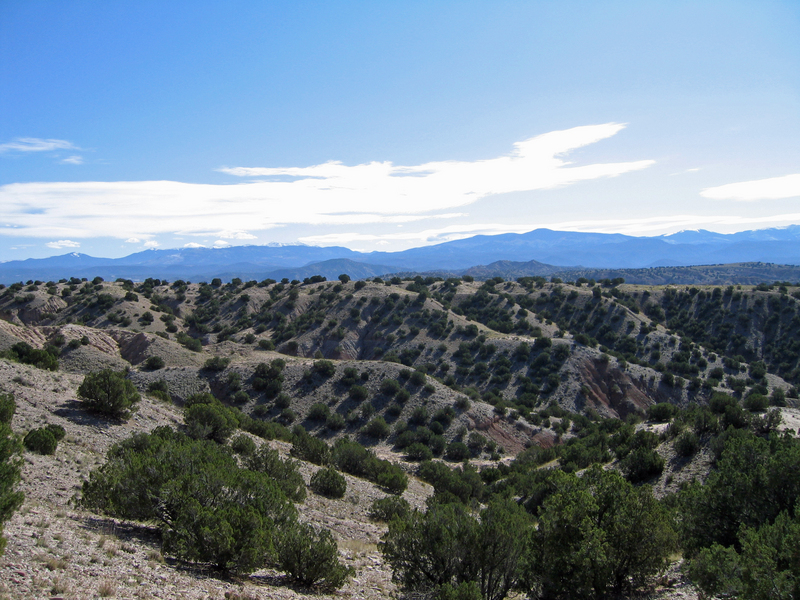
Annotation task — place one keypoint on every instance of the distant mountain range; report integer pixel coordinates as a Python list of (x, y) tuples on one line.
[(545, 251)]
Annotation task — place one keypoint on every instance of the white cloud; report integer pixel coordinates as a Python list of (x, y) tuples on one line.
[(73, 160), (774, 188), (63, 244), (151, 244), (221, 244), (327, 194), (36, 145), (133, 240), (632, 226), (236, 235), (193, 245)]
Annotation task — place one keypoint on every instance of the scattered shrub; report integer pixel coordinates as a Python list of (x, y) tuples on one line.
[(661, 412), (159, 389), (457, 451), (283, 472), (109, 393), (335, 422), (243, 445), (318, 412), (756, 403), (8, 406), (309, 448), (376, 428), (41, 441), (687, 443), (210, 510), (154, 363), (386, 509), (311, 557), (208, 419), (216, 364), (325, 368), (57, 430), (418, 452), (390, 387), (328, 482)]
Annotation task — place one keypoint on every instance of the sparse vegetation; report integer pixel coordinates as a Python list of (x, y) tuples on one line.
[(717, 360)]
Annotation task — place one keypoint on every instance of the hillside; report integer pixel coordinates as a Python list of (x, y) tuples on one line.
[(497, 369)]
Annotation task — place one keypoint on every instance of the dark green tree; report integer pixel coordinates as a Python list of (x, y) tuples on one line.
[(590, 540), (109, 393), (310, 556)]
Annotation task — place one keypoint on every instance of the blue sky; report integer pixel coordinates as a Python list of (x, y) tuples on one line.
[(382, 125)]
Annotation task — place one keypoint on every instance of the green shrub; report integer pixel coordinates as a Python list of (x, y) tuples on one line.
[(208, 419), (266, 344), (642, 464), (446, 546), (328, 482), (462, 483), (309, 448), (376, 428), (40, 441), (386, 509), (41, 359), (154, 363), (756, 403), (8, 406), (418, 378), (661, 412), (418, 452), (318, 412), (109, 393), (216, 364), (687, 443), (457, 451), (358, 393), (325, 368), (209, 510), (390, 387), (353, 458), (311, 557), (10, 497), (283, 472), (335, 422), (240, 397), (243, 445), (159, 389), (57, 430), (589, 539), (720, 402)]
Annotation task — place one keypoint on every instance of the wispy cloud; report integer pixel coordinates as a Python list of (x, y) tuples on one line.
[(36, 145), (236, 235), (73, 160), (327, 194), (774, 188), (63, 244)]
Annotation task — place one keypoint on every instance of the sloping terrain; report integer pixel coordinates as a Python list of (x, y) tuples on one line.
[(495, 367)]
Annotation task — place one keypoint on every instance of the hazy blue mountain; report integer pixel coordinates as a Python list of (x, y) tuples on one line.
[(560, 248)]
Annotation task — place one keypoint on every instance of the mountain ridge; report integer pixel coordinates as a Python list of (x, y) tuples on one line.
[(562, 250)]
